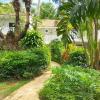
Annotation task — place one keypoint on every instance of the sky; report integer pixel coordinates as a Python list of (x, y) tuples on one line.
[(35, 1)]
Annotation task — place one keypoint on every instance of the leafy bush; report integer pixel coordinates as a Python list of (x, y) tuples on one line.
[(23, 64), (72, 83), (73, 48), (74, 55), (32, 39), (56, 50), (77, 58)]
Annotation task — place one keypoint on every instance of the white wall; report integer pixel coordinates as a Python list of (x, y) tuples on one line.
[(49, 33), (4, 23)]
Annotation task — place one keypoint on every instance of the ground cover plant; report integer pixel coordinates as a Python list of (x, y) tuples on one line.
[(56, 47), (23, 64), (77, 57), (8, 87), (72, 83)]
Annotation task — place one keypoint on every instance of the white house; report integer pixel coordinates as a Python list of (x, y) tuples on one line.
[(48, 28), (5, 19)]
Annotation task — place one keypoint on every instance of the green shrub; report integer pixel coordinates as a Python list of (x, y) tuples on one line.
[(32, 39), (76, 55), (77, 58), (56, 50), (23, 64), (72, 83)]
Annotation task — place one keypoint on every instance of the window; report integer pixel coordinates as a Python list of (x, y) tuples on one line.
[(46, 31)]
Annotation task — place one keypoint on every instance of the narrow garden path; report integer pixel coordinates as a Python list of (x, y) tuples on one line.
[(30, 90)]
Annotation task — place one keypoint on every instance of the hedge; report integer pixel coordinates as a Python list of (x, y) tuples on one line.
[(23, 64), (77, 58)]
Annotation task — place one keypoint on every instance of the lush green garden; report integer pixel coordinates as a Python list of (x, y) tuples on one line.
[(17, 67), (24, 55), (72, 83), (79, 76)]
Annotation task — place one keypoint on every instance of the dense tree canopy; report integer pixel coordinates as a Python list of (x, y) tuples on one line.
[(6, 8), (47, 11)]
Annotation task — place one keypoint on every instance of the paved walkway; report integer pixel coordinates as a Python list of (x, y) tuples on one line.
[(30, 91)]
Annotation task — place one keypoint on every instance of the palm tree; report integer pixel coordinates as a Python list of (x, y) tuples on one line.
[(13, 38), (28, 7), (16, 5), (85, 12)]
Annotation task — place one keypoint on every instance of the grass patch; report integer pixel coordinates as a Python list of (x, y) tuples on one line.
[(8, 87)]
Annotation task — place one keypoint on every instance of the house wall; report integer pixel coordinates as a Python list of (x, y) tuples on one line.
[(4, 23), (6, 19), (49, 33)]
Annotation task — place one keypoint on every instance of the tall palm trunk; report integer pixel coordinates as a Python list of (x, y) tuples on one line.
[(16, 5), (12, 38), (10, 41), (27, 7), (84, 44), (90, 46), (96, 55)]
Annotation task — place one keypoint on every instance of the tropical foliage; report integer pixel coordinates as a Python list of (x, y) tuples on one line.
[(32, 39), (47, 11), (85, 13), (64, 28), (72, 83), (6, 8), (77, 58)]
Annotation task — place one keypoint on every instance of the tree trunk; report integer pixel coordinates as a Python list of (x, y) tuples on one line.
[(91, 44), (96, 55), (24, 31), (12, 38), (84, 44), (16, 6), (17, 24)]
